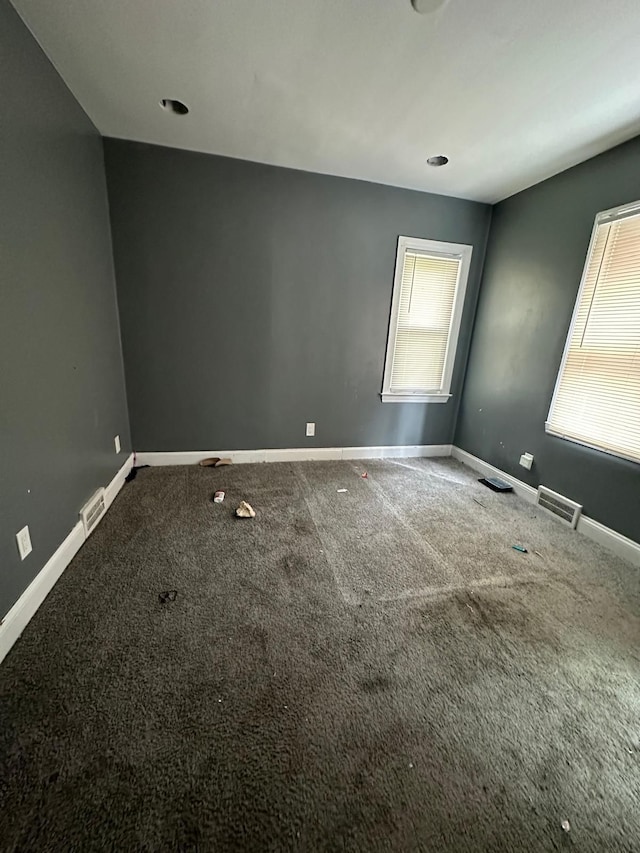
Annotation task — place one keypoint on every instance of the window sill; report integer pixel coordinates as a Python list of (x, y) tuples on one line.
[(414, 398)]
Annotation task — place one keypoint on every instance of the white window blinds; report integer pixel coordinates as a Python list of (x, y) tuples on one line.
[(425, 319), (597, 396)]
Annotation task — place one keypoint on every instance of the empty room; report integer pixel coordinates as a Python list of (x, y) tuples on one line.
[(320, 418)]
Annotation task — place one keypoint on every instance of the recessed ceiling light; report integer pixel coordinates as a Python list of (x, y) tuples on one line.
[(174, 106), (438, 160), (427, 6)]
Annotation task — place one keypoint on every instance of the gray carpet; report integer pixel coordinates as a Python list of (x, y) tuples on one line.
[(375, 670)]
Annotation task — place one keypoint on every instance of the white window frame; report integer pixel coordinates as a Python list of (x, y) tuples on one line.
[(604, 216), (459, 251)]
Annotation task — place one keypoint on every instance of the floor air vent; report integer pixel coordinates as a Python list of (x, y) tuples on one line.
[(568, 511), (92, 511)]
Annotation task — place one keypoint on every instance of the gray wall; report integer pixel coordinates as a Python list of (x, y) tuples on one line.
[(254, 299), (536, 254), (62, 397)]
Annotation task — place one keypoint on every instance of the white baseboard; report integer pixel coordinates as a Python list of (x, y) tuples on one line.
[(294, 454), (402, 451), (26, 606), (111, 491), (522, 489), (616, 542)]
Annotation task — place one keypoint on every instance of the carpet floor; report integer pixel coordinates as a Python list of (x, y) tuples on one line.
[(365, 670)]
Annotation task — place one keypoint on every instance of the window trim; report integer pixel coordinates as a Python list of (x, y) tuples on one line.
[(461, 251), (613, 214)]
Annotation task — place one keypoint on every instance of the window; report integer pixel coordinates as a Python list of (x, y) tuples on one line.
[(597, 396), (428, 295)]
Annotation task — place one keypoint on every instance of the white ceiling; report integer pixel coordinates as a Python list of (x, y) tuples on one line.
[(512, 91)]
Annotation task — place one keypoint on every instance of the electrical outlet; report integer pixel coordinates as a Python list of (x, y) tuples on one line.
[(116, 441), (24, 542), (311, 429), (526, 460)]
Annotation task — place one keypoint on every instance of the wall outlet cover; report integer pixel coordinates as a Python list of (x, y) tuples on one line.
[(526, 460), (23, 539), (311, 429), (116, 441)]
